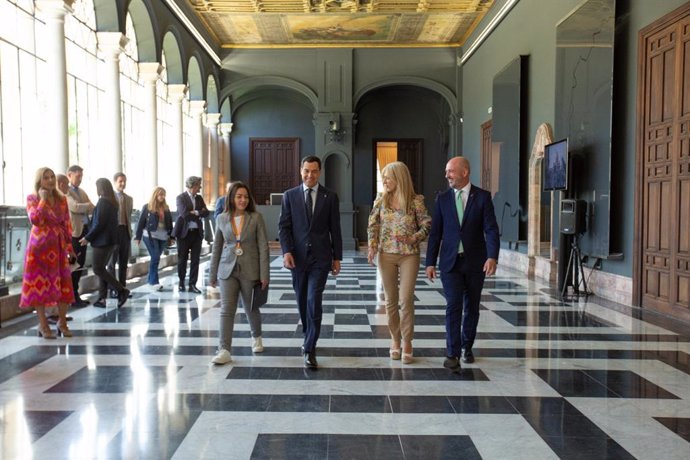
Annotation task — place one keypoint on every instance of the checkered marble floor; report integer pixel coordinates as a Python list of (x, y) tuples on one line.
[(552, 380)]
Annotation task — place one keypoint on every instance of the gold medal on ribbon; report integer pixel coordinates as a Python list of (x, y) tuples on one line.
[(238, 234)]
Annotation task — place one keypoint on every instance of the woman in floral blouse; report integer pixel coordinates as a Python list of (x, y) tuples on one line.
[(398, 222)]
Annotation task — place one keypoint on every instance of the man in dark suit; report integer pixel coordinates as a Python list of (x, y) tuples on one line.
[(124, 230), (464, 231), (311, 241), (189, 232)]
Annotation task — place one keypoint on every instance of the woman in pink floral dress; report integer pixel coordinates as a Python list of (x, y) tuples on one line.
[(47, 277)]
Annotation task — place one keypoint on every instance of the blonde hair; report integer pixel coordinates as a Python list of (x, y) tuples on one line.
[(153, 204), (39, 178), (404, 189)]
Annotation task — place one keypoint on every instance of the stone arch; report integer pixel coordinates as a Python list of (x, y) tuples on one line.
[(239, 89), (143, 22), (336, 172), (173, 59), (543, 137), (212, 104), (432, 85), (194, 80)]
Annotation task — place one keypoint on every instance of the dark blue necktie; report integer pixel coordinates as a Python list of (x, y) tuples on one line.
[(309, 204)]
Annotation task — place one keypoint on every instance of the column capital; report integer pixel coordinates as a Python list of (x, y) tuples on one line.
[(177, 92), (111, 43), (225, 128), (150, 72), (55, 9), (212, 120), (197, 108)]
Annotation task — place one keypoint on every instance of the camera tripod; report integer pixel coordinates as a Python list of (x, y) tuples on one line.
[(575, 269)]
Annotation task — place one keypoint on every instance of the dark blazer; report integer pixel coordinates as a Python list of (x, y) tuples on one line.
[(149, 220), (479, 231), (103, 229), (185, 216), (322, 238)]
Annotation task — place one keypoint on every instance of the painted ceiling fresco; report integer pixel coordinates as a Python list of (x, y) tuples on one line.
[(340, 23)]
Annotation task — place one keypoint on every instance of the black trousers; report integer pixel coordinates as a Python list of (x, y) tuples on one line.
[(121, 255), (189, 247), (100, 258), (81, 260)]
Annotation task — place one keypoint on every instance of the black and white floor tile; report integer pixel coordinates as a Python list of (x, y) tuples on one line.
[(552, 379)]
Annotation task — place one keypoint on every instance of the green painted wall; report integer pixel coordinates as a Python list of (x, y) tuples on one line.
[(530, 29)]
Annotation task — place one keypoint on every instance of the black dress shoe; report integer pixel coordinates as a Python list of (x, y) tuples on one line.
[(122, 297), (100, 303), (194, 289), (452, 363), (79, 303), (181, 288), (310, 360), (466, 356)]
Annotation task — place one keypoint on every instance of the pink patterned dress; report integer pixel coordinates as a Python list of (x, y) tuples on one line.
[(47, 276)]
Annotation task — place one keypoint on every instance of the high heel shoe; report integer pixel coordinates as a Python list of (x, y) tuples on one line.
[(407, 357), (63, 330), (395, 354), (45, 333)]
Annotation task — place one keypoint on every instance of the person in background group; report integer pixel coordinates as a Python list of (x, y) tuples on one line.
[(465, 234), (80, 207), (155, 227), (123, 247), (312, 245), (398, 222), (103, 236), (239, 262), (220, 203), (46, 281), (189, 232)]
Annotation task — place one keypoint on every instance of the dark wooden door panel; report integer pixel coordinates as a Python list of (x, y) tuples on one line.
[(663, 276), (273, 166), (410, 153)]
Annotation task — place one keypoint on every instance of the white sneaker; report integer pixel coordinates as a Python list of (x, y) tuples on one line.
[(257, 345), (155, 287), (222, 357)]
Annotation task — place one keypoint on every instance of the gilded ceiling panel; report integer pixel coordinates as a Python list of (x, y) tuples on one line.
[(337, 23)]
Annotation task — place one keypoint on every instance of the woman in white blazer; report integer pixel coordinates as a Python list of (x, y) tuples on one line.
[(238, 263)]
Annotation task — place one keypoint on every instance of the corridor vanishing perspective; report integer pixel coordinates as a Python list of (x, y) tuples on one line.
[(551, 380)]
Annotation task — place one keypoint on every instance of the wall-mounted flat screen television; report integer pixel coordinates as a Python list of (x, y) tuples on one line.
[(555, 166)]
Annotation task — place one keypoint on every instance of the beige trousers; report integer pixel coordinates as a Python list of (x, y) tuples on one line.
[(399, 296)]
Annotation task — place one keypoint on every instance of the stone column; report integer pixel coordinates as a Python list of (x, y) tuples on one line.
[(194, 164), (110, 45), (225, 131), (176, 161), (149, 73), (54, 11), (211, 157)]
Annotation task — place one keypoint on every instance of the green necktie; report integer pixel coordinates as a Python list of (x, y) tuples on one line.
[(461, 212)]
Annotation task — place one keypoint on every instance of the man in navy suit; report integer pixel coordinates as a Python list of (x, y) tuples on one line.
[(189, 232), (311, 241), (464, 231)]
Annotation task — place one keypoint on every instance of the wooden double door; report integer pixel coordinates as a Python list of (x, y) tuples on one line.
[(662, 216), (273, 166)]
